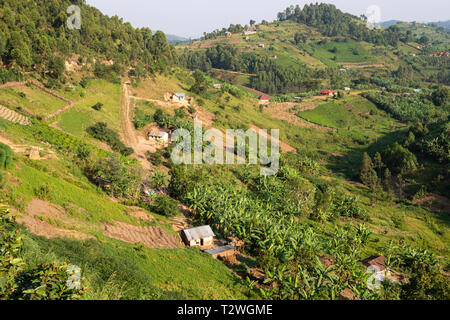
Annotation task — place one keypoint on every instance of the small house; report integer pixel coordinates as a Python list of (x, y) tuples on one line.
[(273, 57), (261, 45), (264, 99), (198, 237), (327, 92), (217, 85), (347, 89), (158, 136), (222, 252), (178, 97)]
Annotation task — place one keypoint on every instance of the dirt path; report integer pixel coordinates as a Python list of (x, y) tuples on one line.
[(284, 146), (130, 137)]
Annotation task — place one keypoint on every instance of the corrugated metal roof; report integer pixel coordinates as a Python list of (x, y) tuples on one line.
[(180, 94), (217, 250), (198, 233)]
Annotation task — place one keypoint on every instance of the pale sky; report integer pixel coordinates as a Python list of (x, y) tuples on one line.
[(190, 18)]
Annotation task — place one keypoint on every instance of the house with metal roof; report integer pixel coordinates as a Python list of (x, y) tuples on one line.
[(198, 237)]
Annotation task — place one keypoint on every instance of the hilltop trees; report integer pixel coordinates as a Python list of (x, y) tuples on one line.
[(34, 34)]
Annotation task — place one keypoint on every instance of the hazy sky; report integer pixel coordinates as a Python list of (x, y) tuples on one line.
[(190, 18)]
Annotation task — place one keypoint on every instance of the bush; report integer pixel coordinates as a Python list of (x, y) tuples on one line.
[(101, 132), (6, 156), (166, 206), (98, 106), (141, 119)]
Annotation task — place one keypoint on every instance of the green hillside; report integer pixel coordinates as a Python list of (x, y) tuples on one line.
[(363, 171)]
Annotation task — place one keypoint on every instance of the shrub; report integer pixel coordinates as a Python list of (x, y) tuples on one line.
[(98, 106), (101, 132), (6, 155), (141, 119), (166, 206)]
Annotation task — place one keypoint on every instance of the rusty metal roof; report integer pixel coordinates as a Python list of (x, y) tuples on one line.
[(198, 233)]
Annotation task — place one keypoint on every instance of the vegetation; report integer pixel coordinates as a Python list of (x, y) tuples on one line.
[(101, 132)]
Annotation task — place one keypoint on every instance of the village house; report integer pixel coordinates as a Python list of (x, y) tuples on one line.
[(273, 57), (327, 92), (178, 98), (158, 136), (347, 89), (264, 100), (198, 237), (261, 45), (217, 85)]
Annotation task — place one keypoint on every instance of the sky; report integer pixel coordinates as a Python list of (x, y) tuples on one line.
[(190, 18)]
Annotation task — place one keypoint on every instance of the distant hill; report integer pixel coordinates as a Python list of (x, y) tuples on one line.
[(173, 39), (387, 24), (444, 24)]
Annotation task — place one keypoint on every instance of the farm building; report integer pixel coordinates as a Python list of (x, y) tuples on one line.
[(158, 135), (261, 45), (264, 99), (327, 92), (222, 252), (178, 97), (198, 237)]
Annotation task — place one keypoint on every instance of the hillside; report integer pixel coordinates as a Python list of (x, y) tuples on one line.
[(363, 172)]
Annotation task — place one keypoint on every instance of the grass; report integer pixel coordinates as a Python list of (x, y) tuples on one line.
[(82, 115), (115, 270), (32, 99)]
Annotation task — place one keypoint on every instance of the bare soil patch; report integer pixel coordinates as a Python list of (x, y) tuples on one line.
[(434, 202), (138, 213), (37, 217), (152, 237)]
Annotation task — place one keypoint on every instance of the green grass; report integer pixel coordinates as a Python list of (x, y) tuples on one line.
[(32, 99), (82, 115), (115, 270)]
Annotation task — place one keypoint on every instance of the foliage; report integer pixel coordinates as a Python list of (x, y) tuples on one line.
[(98, 106), (124, 181), (399, 159), (6, 156), (101, 132), (17, 281), (141, 118), (35, 35), (165, 206)]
